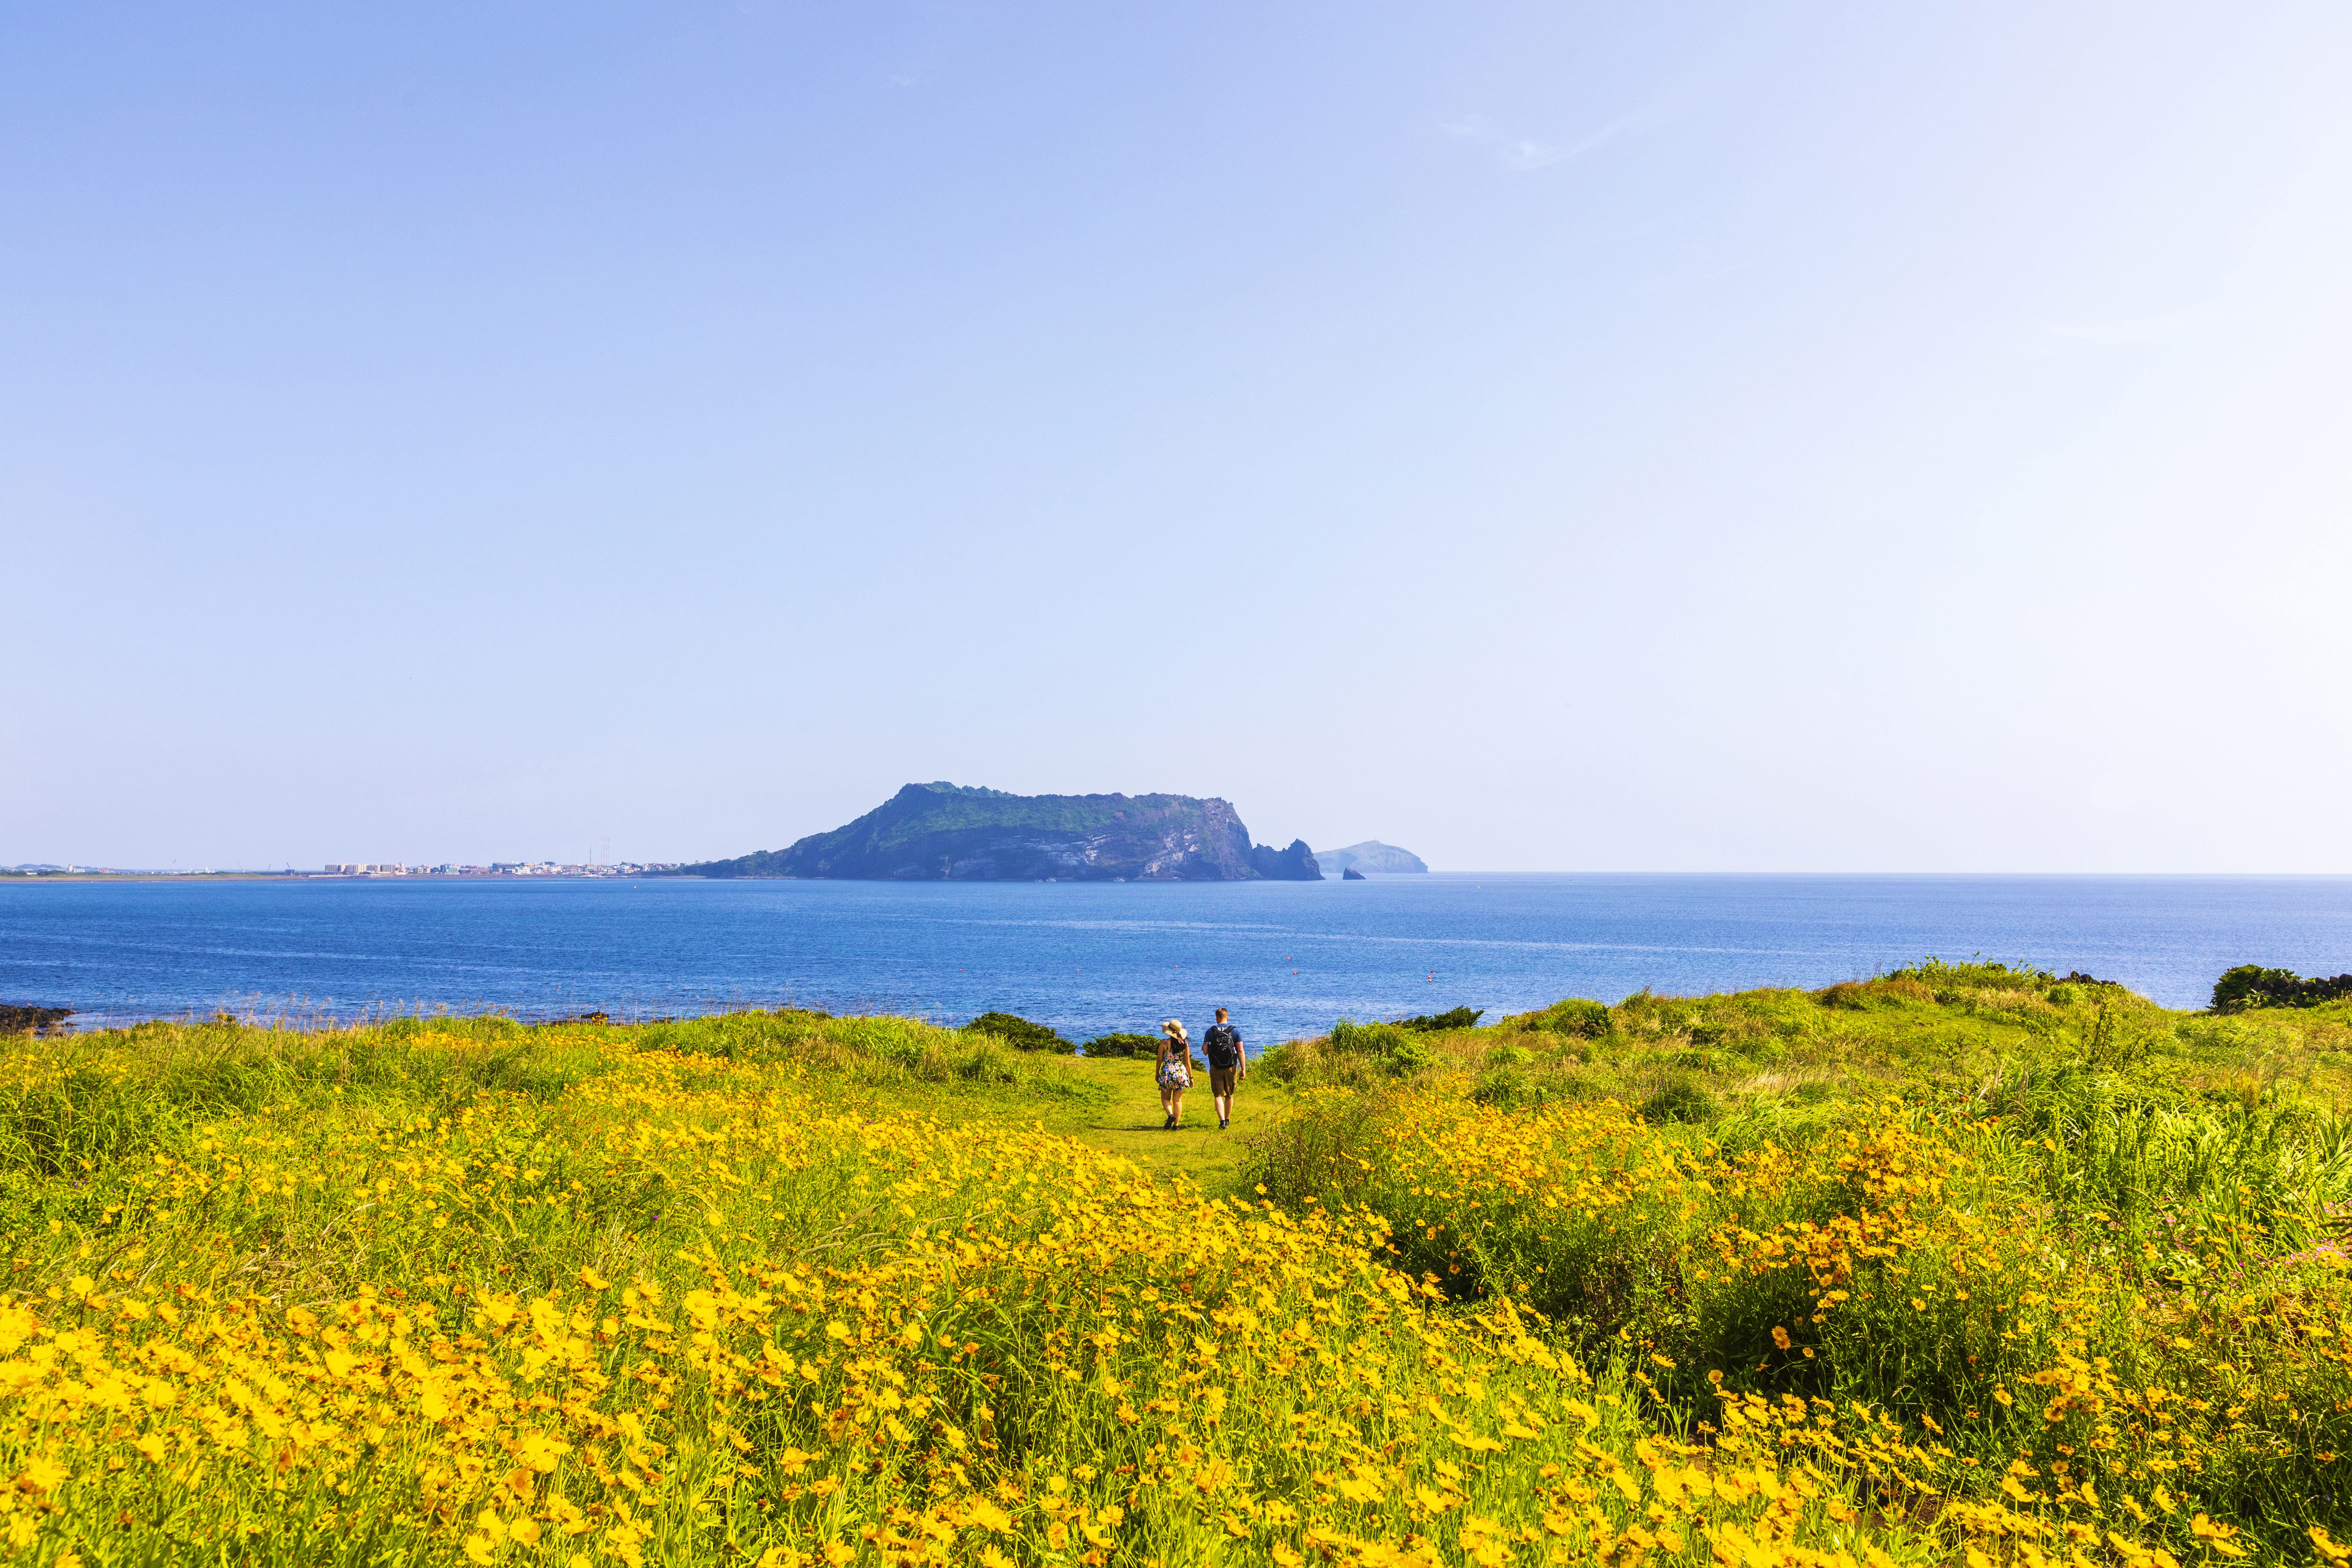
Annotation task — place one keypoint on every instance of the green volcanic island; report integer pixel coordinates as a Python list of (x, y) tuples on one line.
[(954, 833)]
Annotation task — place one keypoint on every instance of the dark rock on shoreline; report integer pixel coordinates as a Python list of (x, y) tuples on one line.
[(15, 1019)]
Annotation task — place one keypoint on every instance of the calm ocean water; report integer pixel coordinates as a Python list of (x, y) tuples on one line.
[(1288, 957)]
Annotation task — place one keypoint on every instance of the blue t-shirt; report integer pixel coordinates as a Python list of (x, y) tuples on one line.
[(1223, 1045)]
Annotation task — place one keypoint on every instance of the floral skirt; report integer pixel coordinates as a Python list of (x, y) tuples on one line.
[(1175, 1075)]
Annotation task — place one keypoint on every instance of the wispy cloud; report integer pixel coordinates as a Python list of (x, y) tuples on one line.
[(2132, 330), (1523, 153)]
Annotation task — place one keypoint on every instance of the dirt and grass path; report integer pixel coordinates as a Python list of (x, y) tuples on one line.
[(1127, 1120)]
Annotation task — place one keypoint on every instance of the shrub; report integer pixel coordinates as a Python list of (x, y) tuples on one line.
[(2252, 986), (1396, 1051), (1459, 1018), (1122, 1044), (1577, 1016), (1020, 1033)]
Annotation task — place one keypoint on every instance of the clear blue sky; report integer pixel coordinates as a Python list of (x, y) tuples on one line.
[(1548, 436)]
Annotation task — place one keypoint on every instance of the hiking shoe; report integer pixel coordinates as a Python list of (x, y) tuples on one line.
[(1223, 1125)]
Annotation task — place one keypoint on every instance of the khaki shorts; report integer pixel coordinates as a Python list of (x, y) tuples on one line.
[(1222, 1079)]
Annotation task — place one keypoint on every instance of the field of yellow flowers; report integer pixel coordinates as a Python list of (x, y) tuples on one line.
[(777, 1290), (2085, 1256)]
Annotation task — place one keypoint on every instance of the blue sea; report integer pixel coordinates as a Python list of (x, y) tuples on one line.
[(1288, 957)]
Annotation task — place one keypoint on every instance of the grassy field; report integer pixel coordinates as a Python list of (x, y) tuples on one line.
[(1960, 1264)]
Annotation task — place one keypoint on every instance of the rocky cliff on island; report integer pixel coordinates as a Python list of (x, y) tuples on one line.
[(944, 832)]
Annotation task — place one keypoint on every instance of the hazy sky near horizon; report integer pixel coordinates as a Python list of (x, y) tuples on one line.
[(1808, 436)]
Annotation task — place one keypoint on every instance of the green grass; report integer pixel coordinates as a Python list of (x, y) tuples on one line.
[(1126, 1119), (2165, 1196), (1936, 1034), (2028, 1174)]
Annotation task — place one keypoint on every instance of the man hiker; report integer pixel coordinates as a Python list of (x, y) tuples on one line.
[(1227, 1066)]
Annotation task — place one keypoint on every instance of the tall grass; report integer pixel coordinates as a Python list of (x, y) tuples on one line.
[(675, 1305), (1960, 1264), (77, 1101), (2069, 1240)]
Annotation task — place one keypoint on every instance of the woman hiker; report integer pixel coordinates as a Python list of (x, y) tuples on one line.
[(1175, 1068)]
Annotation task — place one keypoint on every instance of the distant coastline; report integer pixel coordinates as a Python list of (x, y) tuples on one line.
[(501, 871), (31, 877)]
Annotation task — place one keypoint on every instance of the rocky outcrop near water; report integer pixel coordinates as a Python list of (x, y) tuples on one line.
[(16, 1018), (954, 832), (1295, 864)]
